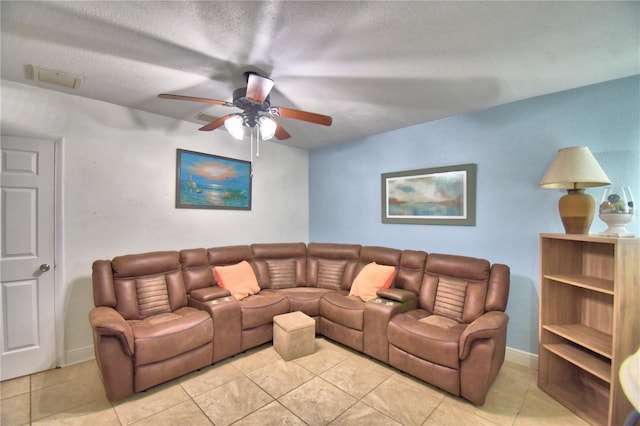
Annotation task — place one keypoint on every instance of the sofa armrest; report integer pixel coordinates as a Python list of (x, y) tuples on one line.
[(397, 295), (108, 322), (487, 326), (209, 293)]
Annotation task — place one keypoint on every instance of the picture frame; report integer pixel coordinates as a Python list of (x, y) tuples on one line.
[(434, 196), (206, 181)]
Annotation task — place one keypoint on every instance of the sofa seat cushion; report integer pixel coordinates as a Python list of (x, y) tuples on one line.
[(432, 338), (260, 309), (304, 299), (164, 336), (343, 309)]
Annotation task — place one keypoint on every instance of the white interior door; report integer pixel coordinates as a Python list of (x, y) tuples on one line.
[(27, 298)]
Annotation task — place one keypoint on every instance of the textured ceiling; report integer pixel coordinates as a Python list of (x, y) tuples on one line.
[(372, 66)]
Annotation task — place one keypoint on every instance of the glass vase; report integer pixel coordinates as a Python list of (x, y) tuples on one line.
[(616, 209)]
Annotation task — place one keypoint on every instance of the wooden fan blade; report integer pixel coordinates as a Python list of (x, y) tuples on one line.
[(258, 87), (194, 99), (311, 117), (215, 123), (281, 133)]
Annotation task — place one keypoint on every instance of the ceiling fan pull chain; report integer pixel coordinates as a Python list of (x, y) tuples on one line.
[(251, 154), (258, 142)]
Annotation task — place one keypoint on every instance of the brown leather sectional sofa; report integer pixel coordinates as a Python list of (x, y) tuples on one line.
[(442, 320)]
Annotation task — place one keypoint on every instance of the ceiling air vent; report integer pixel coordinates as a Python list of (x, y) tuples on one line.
[(58, 78), (208, 118)]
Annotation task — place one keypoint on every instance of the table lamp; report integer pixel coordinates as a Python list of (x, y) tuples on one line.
[(574, 169)]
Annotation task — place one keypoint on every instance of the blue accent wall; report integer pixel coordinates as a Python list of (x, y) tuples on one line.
[(513, 145)]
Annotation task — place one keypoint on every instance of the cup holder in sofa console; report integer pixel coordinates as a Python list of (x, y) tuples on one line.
[(221, 300), (383, 301)]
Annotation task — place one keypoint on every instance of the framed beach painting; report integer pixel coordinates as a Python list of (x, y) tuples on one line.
[(435, 196), (205, 181)]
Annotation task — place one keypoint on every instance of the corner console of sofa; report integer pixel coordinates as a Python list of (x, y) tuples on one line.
[(377, 314), (227, 321)]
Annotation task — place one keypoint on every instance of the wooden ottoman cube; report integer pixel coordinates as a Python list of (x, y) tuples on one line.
[(294, 335)]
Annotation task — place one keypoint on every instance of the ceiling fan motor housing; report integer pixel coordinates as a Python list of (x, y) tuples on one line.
[(241, 100), (251, 107)]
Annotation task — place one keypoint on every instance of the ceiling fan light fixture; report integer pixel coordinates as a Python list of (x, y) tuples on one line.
[(267, 127), (235, 126)]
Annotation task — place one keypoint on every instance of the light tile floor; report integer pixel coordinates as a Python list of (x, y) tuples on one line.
[(332, 386)]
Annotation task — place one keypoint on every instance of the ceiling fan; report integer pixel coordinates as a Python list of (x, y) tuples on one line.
[(256, 108)]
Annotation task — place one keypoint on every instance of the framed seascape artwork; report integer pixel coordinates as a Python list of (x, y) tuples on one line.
[(435, 196), (205, 181)]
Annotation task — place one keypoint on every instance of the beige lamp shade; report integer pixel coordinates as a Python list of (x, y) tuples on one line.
[(574, 169)]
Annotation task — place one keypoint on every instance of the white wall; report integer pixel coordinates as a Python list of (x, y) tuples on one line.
[(118, 187)]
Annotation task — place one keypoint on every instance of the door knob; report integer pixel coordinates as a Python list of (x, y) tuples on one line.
[(45, 267)]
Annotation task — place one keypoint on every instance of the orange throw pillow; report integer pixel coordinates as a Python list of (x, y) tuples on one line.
[(239, 279), (371, 278)]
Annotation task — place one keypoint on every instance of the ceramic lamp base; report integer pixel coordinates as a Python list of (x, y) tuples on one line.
[(576, 211)]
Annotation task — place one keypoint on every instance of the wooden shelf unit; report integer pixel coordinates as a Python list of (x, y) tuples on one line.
[(589, 303)]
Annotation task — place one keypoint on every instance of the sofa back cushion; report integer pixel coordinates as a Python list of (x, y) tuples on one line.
[(450, 298), (104, 293), (411, 270), (138, 280), (239, 279), (280, 256), (153, 297), (370, 279), (498, 291), (330, 273), (332, 266), (228, 255), (379, 255), (282, 273), (464, 280), (196, 271)]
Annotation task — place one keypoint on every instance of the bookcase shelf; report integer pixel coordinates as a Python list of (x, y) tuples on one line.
[(599, 368), (589, 338), (589, 297), (583, 281)]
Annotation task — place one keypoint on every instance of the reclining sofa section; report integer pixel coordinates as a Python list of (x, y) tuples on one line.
[(160, 315)]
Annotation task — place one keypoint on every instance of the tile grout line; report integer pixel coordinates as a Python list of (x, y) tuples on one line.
[(434, 410), (337, 387), (42, 389), (524, 398), (314, 375), (196, 404), (374, 408)]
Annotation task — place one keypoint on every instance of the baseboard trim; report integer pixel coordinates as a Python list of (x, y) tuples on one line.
[(75, 356), (519, 357)]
